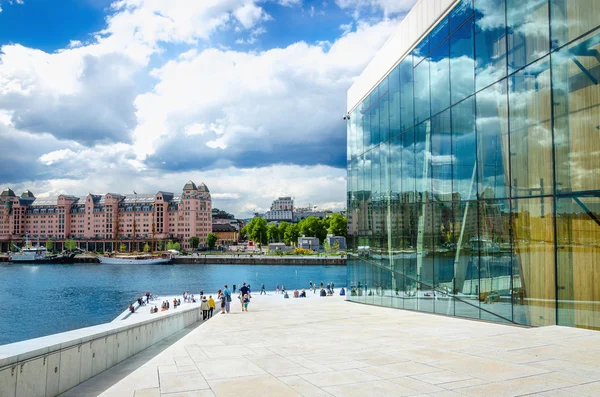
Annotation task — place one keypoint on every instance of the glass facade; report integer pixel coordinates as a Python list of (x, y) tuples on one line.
[(474, 169)]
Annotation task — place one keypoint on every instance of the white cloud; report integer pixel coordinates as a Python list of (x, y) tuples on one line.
[(250, 14), (289, 3)]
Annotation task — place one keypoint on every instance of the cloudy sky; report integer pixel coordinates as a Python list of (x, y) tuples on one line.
[(246, 96)]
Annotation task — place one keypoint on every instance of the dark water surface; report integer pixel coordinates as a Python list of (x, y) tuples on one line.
[(38, 300)]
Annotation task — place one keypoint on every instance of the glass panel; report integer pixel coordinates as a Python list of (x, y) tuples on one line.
[(576, 97), (410, 256), (460, 13), (466, 259), (394, 100), (492, 142), (384, 117), (421, 96), (528, 32), (425, 257), (423, 161), (421, 51), (438, 34), (408, 167), (358, 130), (441, 157), (406, 94), (374, 112), (578, 243), (572, 18), (495, 260), (462, 62), (534, 282), (531, 130), (440, 78), (464, 150), (490, 42), (444, 251), (366, 124)]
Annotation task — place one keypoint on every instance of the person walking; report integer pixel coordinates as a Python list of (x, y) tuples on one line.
[(310, 284), (227, 294), (282, 289), (244, 293), (262, 289), (234, 288), (211, 304), (205, 307), (223, 301), (246, 301), (276, 288)]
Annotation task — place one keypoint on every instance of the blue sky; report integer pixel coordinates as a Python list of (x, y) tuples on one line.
[(245, 95)]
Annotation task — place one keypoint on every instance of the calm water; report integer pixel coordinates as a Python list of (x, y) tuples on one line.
[(38, 300)]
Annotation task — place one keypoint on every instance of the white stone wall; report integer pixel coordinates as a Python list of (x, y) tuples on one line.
[(53, 364), (417, 23)]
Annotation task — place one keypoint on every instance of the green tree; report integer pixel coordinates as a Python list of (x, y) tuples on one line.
[(146, 247), (70, 245), (326, 246), (177, 246), (159, 246), (281, 230), (50, 245), (256, 230), (336, 246), (170, 245), (211, 240), (243, 233), (123, 247), (292, 232), (194, 242), (338, 225), (272, 233), (313, 227)]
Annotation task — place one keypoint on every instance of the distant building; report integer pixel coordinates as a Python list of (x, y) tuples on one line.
[(226, 234), (220, 214), (340, 240), (273, 247), (309, 243), (282, 209), (102, 222)]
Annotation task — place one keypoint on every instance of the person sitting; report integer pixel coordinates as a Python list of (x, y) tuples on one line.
[(155, 309), (296, 293), (174, 303), (151, 310), (285, 295), (342, 292), (178, 302), (131, 308), (323, 293), (303, 294)]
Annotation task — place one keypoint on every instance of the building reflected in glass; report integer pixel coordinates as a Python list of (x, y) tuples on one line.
[(474, 168)]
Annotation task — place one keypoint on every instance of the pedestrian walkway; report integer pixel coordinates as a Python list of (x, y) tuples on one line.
[(329, 347)]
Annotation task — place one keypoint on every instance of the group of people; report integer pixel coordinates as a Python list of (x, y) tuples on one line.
[(187, 297), (207, 306), (244, 296)]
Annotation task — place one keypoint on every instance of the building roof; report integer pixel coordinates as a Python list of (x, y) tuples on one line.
[(190, 186), (203, 188), (7, 193), (223, 227), (27, 193)]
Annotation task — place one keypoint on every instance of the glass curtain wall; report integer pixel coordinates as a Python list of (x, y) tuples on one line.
[(474, 169)]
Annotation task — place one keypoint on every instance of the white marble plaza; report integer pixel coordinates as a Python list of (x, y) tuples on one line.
[(329, 347)]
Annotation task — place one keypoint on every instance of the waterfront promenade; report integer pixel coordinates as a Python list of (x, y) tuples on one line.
[(330, 347)]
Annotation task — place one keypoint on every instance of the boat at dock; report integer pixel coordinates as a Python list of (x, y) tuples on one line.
[(136, 260), (38, 254)]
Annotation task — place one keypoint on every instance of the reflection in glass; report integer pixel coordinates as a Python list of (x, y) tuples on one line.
[(384, 117), (444, 251), (492, 142), (528, 31), (576, 91), (572, 18), (423, 161), (490, 42), (421, 95), (464, 150), (466, 259), (531, 130), (441, 157), (440, 78), (578, 241), (533, 245), (406, 94), (495, 260), (462, 11), (462, 62), (374, 112), (438, 34), (366, 117), (408, 166), (394, 101)]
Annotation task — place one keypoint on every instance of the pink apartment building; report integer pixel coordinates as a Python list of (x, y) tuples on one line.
[(100, 222)]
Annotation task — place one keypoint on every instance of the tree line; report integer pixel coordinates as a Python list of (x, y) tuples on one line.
[(260, 231)]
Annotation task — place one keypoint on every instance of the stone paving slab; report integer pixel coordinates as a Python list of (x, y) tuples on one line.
[(330, 347)]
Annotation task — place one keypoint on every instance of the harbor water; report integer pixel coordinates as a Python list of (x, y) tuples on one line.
[(38, 300)]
